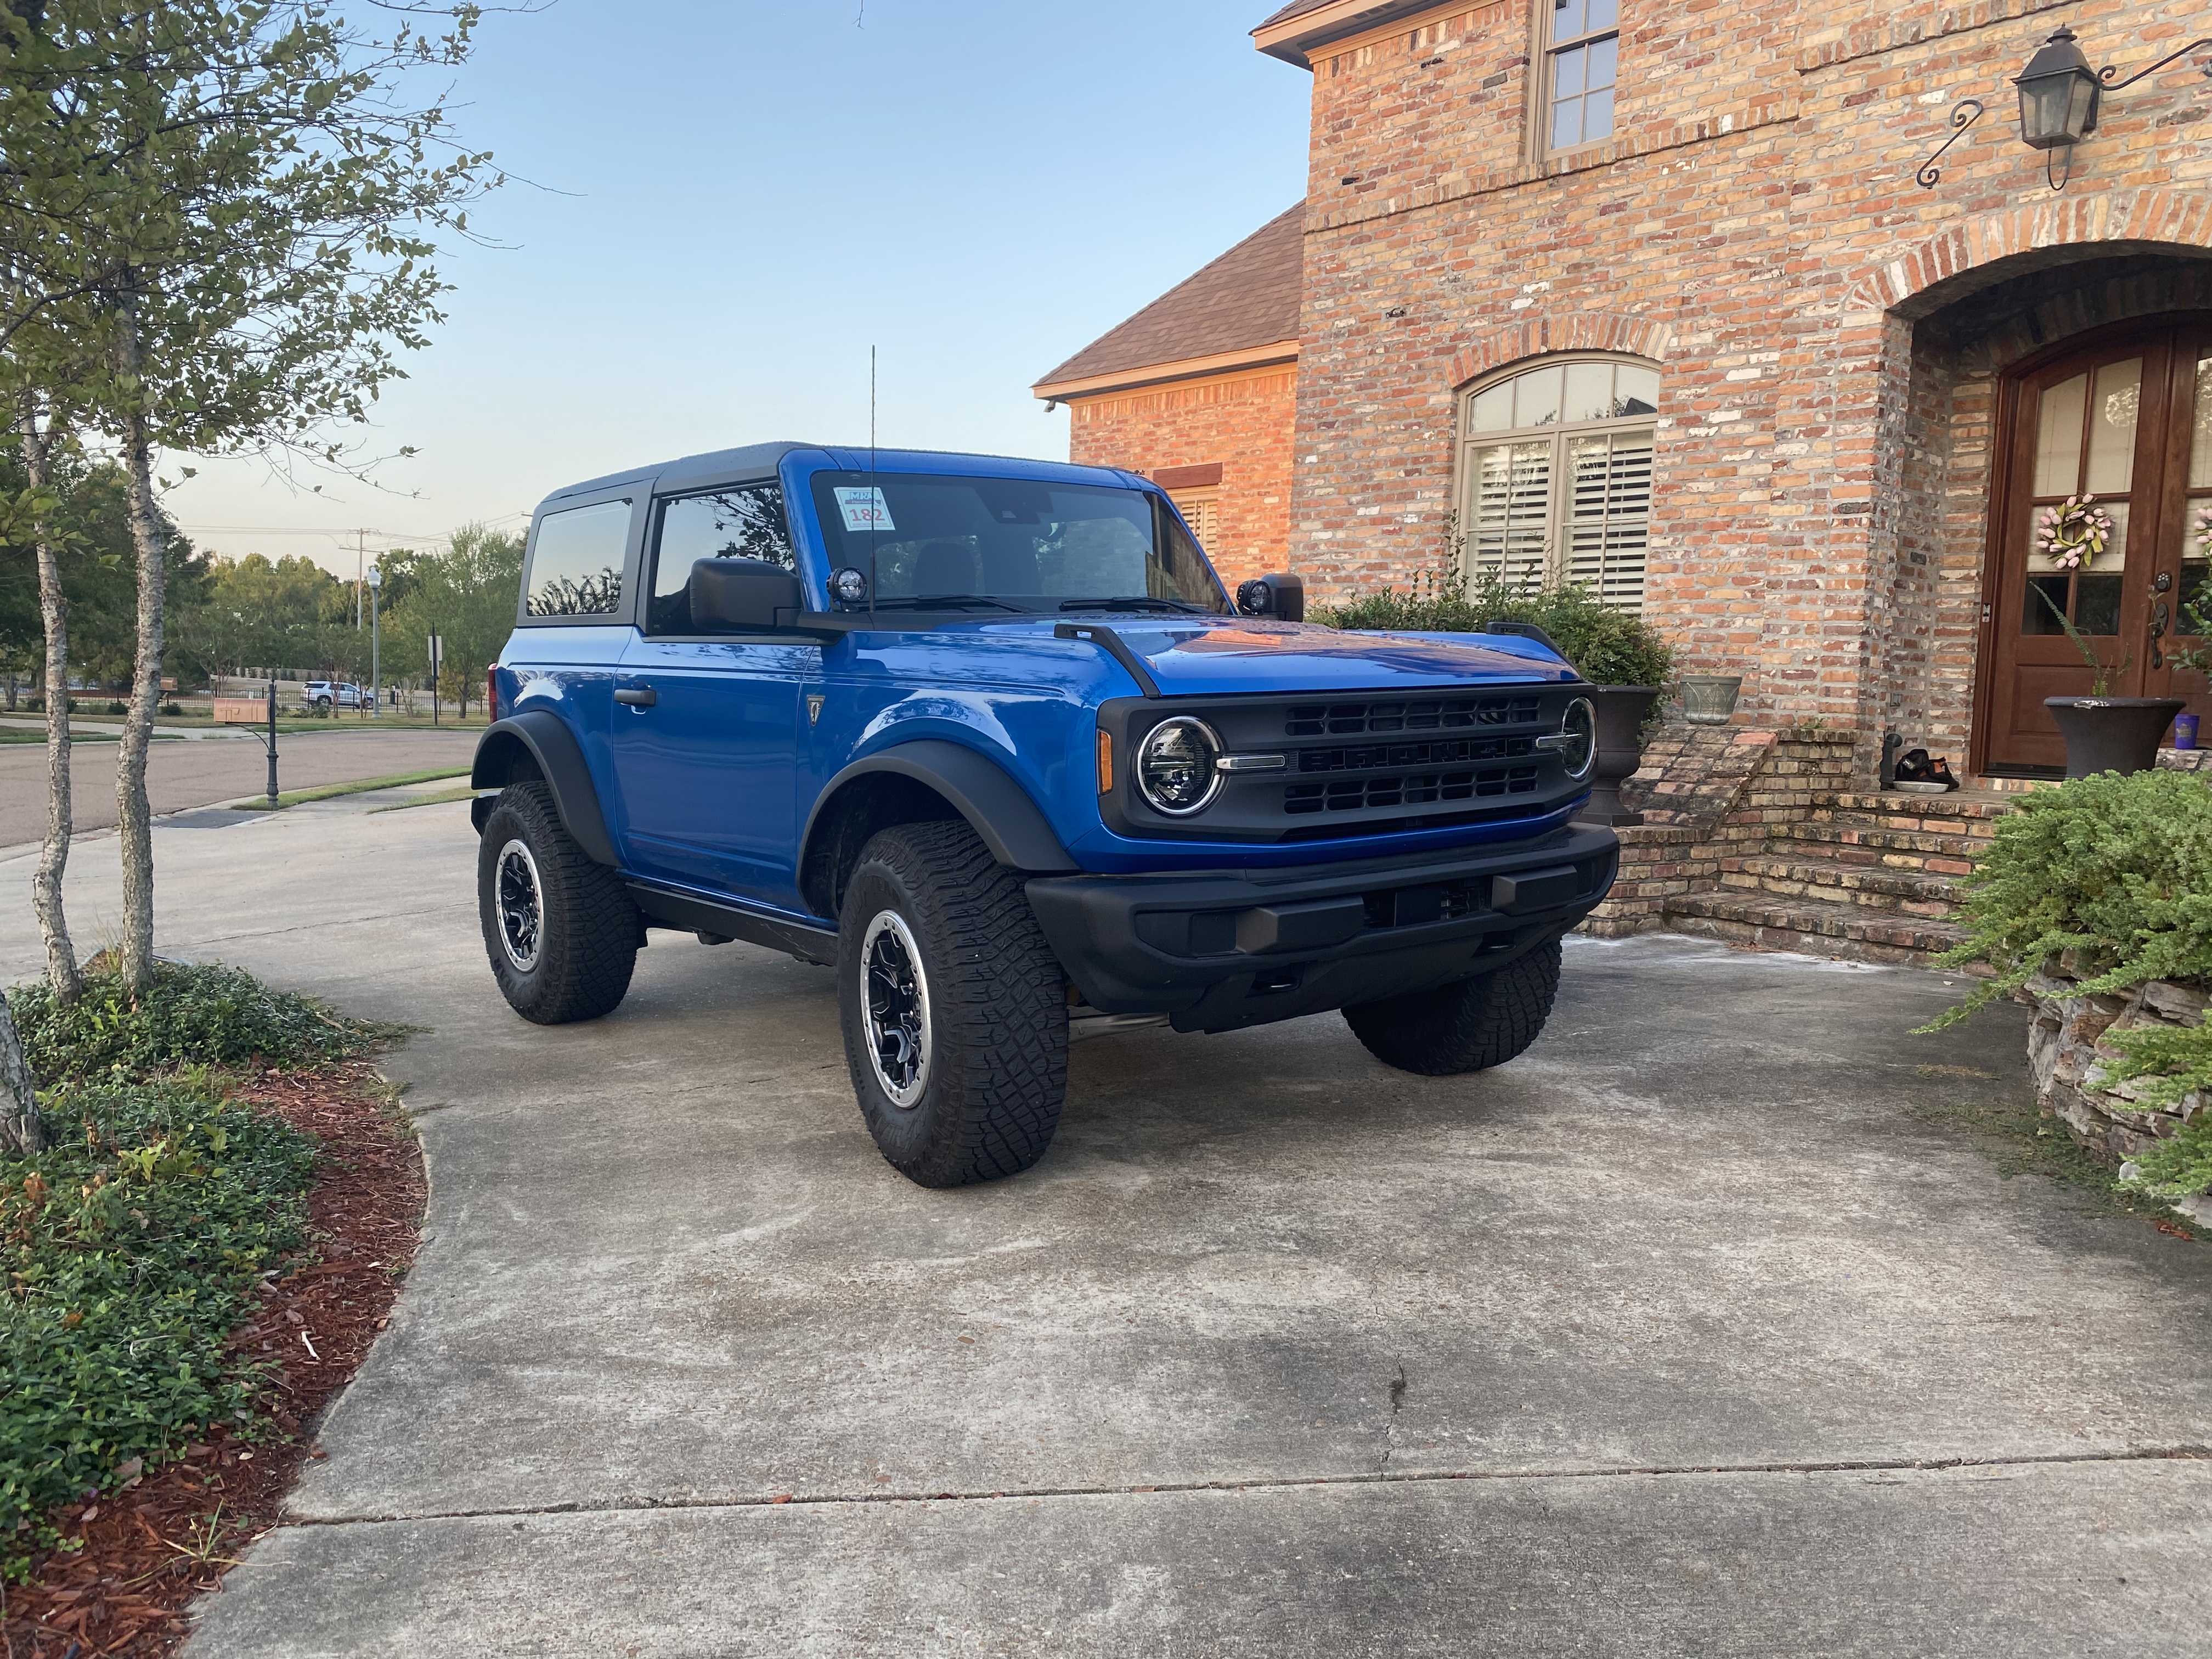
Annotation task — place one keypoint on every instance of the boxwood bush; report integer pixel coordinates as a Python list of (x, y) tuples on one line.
[(2114, 874), (1606, 646)]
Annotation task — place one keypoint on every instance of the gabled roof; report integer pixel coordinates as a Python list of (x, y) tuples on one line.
[(1239, 310), (1292, 33)]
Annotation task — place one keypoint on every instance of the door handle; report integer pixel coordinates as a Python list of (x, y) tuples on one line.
[(637, 696)]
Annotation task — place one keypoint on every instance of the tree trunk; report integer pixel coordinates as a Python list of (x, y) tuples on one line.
[(134, 819), (21, 1131), (54, 609)]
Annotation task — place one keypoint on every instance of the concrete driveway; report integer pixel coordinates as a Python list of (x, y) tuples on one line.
[(1683, 1336)]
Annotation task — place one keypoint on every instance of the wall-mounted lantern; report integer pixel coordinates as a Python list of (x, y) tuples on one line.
[(2059, 95)]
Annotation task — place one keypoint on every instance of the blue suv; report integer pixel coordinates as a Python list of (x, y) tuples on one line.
[(989, 737)]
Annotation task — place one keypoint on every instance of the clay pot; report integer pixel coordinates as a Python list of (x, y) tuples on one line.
[(1710, 699)]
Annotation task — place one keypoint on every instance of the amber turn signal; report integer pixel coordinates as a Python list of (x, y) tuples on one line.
[(1105, 762)]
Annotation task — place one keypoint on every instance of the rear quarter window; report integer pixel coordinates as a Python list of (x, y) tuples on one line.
[(576, 563)]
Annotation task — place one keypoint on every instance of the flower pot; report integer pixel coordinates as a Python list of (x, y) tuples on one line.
[(1710, 699), (2112, 734), (1620, 713)]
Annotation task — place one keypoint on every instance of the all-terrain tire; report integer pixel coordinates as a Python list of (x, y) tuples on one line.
[(577, 963), (983, 1098), (1467, 1027)]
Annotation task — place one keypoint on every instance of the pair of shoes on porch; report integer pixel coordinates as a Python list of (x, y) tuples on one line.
[(1914, 766)]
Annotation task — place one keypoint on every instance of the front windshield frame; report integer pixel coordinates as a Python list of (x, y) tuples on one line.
[(1139, 551)]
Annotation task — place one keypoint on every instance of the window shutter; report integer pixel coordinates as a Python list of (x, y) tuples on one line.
[(1512, 503), (1610, 514)]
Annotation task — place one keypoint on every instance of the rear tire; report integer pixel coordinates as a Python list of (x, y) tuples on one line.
[(560, 930), (954, 1008), (1467, 1027)]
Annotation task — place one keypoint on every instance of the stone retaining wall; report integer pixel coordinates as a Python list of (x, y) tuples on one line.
[(2067, 1041)]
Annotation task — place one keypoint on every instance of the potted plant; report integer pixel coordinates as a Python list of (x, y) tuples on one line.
[(2103, 733)]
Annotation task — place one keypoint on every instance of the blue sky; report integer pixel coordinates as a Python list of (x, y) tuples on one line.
[(740, 197)]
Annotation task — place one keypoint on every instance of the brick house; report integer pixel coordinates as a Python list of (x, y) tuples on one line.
[(1651, 298)]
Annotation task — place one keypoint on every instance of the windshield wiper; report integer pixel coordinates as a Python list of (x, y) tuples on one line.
[(943, 602), (1133, 602)]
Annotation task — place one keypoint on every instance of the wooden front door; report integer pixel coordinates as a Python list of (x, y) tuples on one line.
[(2124, 416)]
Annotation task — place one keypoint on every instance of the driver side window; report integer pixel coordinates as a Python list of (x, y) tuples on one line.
[(743, 522)]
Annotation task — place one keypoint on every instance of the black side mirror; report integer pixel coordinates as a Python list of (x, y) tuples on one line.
[(743, 595), (1282, 597)]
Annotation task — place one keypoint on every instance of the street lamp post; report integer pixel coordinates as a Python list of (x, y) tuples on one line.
[(375, 657)]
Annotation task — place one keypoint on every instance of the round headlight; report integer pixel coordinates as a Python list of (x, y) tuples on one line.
[(848, 586), (1176, 769), (1578, 726)]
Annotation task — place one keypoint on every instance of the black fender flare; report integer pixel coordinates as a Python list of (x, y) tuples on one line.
[(997, 808), (547, 739)]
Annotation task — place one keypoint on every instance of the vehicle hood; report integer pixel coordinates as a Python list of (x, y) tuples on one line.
[(1208, 655)]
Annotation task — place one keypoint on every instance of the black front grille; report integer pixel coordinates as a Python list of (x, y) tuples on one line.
[(1370, 757), (1343, 719), (1408, 789)]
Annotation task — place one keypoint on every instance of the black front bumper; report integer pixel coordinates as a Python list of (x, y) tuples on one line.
[(1217, 950)]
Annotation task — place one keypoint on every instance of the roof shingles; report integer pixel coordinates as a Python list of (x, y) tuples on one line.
[(1246, 298)]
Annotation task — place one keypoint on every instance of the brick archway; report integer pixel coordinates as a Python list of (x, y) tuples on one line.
[(1921, 278), (1565, 330)]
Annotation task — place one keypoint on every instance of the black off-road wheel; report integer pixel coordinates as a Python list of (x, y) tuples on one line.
[(561, 930), (1467, 1027), (954, 1008)]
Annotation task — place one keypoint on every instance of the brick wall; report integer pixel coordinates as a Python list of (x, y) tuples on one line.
[(1241, 422), (1829, 334)]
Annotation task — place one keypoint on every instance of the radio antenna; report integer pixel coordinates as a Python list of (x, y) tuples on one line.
[(875, 491)]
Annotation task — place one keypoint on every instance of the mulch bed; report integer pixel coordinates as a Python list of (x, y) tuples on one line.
[(149, 1549)]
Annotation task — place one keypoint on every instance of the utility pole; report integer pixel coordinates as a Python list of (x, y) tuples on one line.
[(360, 563), (375, 645), (436, 651)]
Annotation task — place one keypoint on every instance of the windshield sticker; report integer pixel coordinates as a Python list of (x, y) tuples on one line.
[(865, 509)]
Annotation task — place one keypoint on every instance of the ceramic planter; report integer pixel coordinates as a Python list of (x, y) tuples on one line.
[(2112, 734), (1710, 699), (1620, 713)]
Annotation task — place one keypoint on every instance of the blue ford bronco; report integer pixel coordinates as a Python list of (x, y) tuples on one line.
[(989, 737)]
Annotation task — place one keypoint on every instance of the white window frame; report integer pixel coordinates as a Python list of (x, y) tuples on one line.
[(1550, 563)]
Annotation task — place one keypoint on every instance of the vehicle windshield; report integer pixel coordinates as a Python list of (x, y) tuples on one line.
[(981, 545)]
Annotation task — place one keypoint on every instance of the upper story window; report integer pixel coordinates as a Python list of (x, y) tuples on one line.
[(1582, 52), (1555, 475), (576, 561), (745, 522)]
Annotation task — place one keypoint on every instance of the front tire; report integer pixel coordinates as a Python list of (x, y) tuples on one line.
[(560, 930), (953, 1006), (1469, 1026)]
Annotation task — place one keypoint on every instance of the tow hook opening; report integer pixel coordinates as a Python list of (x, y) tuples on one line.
[(1275, 981)]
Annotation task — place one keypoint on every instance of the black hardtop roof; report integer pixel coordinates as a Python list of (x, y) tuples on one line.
[(759, 460)]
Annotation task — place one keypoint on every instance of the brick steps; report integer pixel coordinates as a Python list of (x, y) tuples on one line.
[(1843, 873), (1818, 926), (1788, 874)]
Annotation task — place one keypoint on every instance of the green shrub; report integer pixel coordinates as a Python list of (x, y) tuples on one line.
[(133, 1247), (2116, 869), (193, 1015), (1606, 646)]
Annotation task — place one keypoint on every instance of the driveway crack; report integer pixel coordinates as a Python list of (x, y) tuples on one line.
[(1274, 1483)]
